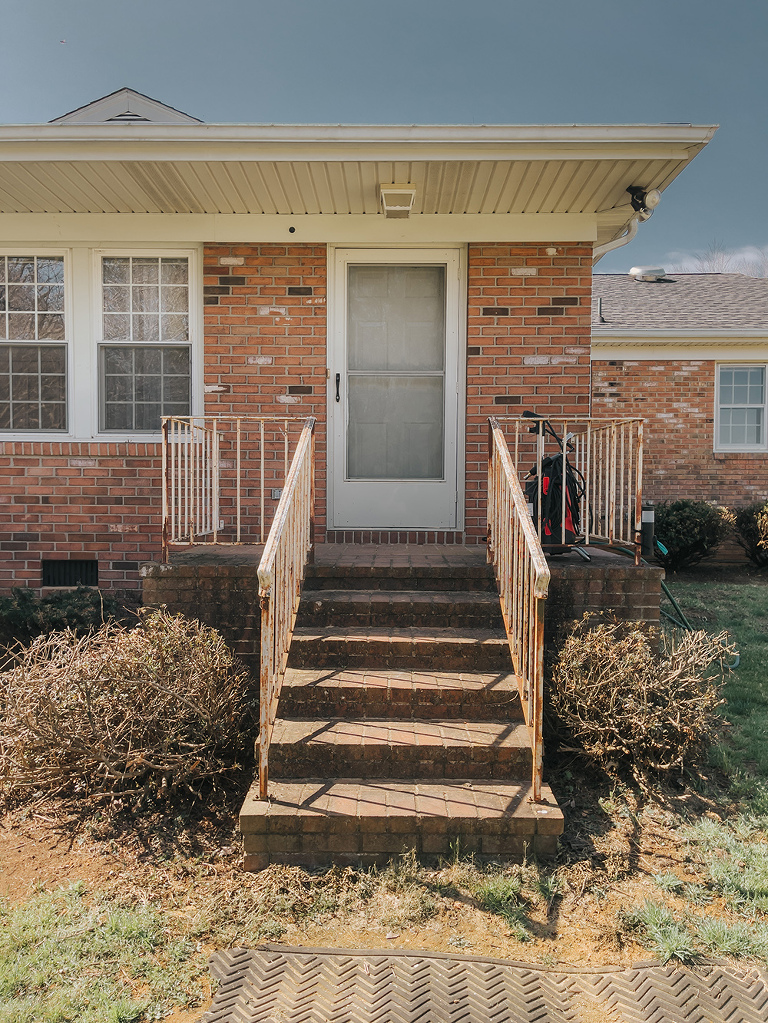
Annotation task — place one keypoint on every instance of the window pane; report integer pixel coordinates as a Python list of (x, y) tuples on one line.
[(21, 269), (116, 299), (174, 271), (117, 327), (53, 359), (118, 360), (53, 416), (50, 327), (3, 326), (145, 271), (148, 360), (175, 328), (2, 270), (53, 388), (176, 361), (50, 297), (24, 358), (50, 270), (5, 416), (21, 297), (149, 417), (118, 417), (175, 390), (175, 300), (25, 387), (21, 326), (146, 327), (25, 416), (116, 270), (148, 388), (146, 300), (118, 388)]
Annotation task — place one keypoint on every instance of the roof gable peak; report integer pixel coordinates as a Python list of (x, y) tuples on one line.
[(125, 106)]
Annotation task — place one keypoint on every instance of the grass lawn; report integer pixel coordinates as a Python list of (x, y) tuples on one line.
[(742, 609)]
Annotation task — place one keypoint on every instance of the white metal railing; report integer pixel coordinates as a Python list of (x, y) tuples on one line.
[(522, 577), (281, 573), (219, 477), (607, 455)]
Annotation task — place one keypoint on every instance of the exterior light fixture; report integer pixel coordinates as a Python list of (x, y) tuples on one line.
[(644, 201), (397, 201)]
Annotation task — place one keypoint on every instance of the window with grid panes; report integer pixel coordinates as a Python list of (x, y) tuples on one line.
[(741, 408), (145, 355), (33, 344)]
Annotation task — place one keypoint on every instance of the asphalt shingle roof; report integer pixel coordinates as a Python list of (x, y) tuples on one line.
[(712, 301)]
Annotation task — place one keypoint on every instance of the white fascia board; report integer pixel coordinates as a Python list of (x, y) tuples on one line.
[(360, 142), (353, 229), (681, 346)]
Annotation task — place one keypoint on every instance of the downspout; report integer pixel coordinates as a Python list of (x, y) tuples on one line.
[(600, 250)]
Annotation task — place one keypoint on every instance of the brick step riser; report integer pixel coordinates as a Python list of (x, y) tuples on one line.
[(341, 616), (426, 762), (379, 654), (403, 705), (378, 842), (365, 583)]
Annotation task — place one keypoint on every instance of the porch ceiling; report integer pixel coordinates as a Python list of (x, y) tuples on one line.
[(336, 170)]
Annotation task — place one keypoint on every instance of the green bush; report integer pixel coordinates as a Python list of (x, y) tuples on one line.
[(691, 531), (23, 616), (749, 534)]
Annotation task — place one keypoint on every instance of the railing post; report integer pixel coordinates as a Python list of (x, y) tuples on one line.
[(639, 495), (489, 537), (265, 673), (311, 554), (164, 470)]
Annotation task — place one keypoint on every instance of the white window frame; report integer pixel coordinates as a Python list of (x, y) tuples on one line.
[(193, 255), (44, 251), (719, 447)]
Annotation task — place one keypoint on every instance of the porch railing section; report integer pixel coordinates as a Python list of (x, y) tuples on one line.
[(281, 572), (608, 457), (522, 577), (222, 477)]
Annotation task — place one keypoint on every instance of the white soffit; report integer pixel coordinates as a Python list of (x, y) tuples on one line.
[(337, 170)]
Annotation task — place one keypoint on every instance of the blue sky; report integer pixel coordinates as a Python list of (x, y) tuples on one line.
[(432, 61)]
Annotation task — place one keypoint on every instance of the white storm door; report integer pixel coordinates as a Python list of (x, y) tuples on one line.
[(394, 389)]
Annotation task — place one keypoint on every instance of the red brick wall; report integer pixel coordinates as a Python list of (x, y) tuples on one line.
[(265, 355), (528, 341), (676, 399), (265, 333), (78, 501)]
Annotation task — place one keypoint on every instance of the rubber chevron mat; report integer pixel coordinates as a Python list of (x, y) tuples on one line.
[(274, 984)]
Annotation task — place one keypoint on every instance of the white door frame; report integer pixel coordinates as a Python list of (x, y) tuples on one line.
[(454, 259)]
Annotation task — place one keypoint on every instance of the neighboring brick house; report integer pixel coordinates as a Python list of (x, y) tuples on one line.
[(689, 354), (152, 264)]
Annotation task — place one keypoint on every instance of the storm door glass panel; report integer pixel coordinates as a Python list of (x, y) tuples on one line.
[(396, 372)]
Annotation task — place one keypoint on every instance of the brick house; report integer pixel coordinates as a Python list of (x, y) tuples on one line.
[(689, 354), (154, 265)]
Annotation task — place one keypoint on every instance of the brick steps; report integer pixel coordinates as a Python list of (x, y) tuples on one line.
[(399, 693), (430, 578), (392, 748), (399, 722), (419, 608), (480, 649), (364, 821)]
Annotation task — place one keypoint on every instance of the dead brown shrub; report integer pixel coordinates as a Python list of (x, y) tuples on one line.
[(635, 700), (162, 706)]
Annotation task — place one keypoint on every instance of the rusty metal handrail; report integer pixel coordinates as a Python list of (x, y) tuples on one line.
[(193, 471), (522, 577), (289, 547), (608, 453)]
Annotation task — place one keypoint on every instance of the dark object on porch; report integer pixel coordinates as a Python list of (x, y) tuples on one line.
[(635, 701), (558, 528), (690, 531), (748, 533)]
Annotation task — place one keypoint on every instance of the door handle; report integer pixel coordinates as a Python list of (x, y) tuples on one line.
[(338, 381)]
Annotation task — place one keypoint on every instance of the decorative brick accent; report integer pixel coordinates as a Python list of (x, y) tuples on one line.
[(677, 401)]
